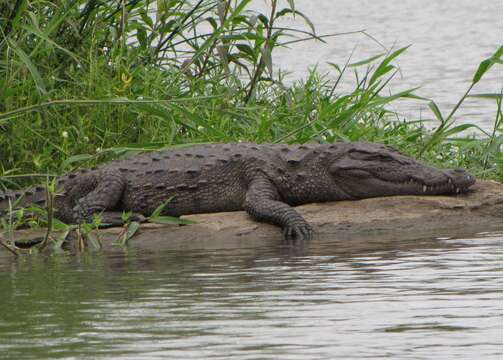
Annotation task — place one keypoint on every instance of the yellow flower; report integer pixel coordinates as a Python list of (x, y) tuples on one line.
[(126, 79)]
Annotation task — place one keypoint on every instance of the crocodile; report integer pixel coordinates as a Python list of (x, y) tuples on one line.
[(265, 180)]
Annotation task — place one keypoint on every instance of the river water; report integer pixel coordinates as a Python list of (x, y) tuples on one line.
[(325, 299), (448, 41), (427, 298)]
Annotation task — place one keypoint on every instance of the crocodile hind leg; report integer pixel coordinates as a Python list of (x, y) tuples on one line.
[(262, 202), (103, 191)]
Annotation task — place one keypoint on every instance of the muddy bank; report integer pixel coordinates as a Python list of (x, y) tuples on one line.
[(393, 218)]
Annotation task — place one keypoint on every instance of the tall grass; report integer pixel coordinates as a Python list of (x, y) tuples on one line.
[(82, 81)]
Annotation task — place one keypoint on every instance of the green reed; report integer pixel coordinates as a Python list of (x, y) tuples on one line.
[(84, 81)]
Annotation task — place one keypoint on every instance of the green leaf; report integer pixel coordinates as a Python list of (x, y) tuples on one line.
[(387, 99), (284, 12), (263, 19), (267, 58), (93, 240), (132, 229), (384, 67), (166, 220), (146, 19), (77, 158), (141, 35), (485, 65), (436, 111), (45, 37), (246, 49), (457, 129), (218, 32), (160, 208), (60, 240), (366, 61), (491, 96), (335, 66), (31, 67)]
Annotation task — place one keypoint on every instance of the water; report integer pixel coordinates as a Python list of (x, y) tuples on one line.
[(449, 39), (427, 298)]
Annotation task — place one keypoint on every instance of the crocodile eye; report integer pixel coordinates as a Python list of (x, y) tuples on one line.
[(368, 156)]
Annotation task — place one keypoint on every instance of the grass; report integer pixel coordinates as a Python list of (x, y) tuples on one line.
[(84, 81)]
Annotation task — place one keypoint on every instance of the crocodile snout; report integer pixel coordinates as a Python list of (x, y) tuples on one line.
[(461, 179)]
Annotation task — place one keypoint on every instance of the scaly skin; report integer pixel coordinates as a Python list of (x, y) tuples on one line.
[(265, 180)]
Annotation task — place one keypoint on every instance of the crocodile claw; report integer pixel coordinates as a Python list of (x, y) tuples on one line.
[(297, 232)]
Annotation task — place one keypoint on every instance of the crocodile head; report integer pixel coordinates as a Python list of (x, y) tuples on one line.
[(365, 170)]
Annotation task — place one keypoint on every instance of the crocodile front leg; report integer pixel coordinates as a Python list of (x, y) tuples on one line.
[(263, 203), (103, 190)]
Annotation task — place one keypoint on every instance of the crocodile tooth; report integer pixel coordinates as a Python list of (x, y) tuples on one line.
[(449, 181), (458, 190), (425, 188)]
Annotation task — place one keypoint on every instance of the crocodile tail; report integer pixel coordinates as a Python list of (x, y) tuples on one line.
[(21, 199)]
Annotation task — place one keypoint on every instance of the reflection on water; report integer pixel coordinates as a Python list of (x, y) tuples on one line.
[(449, 39), (427, 298)]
